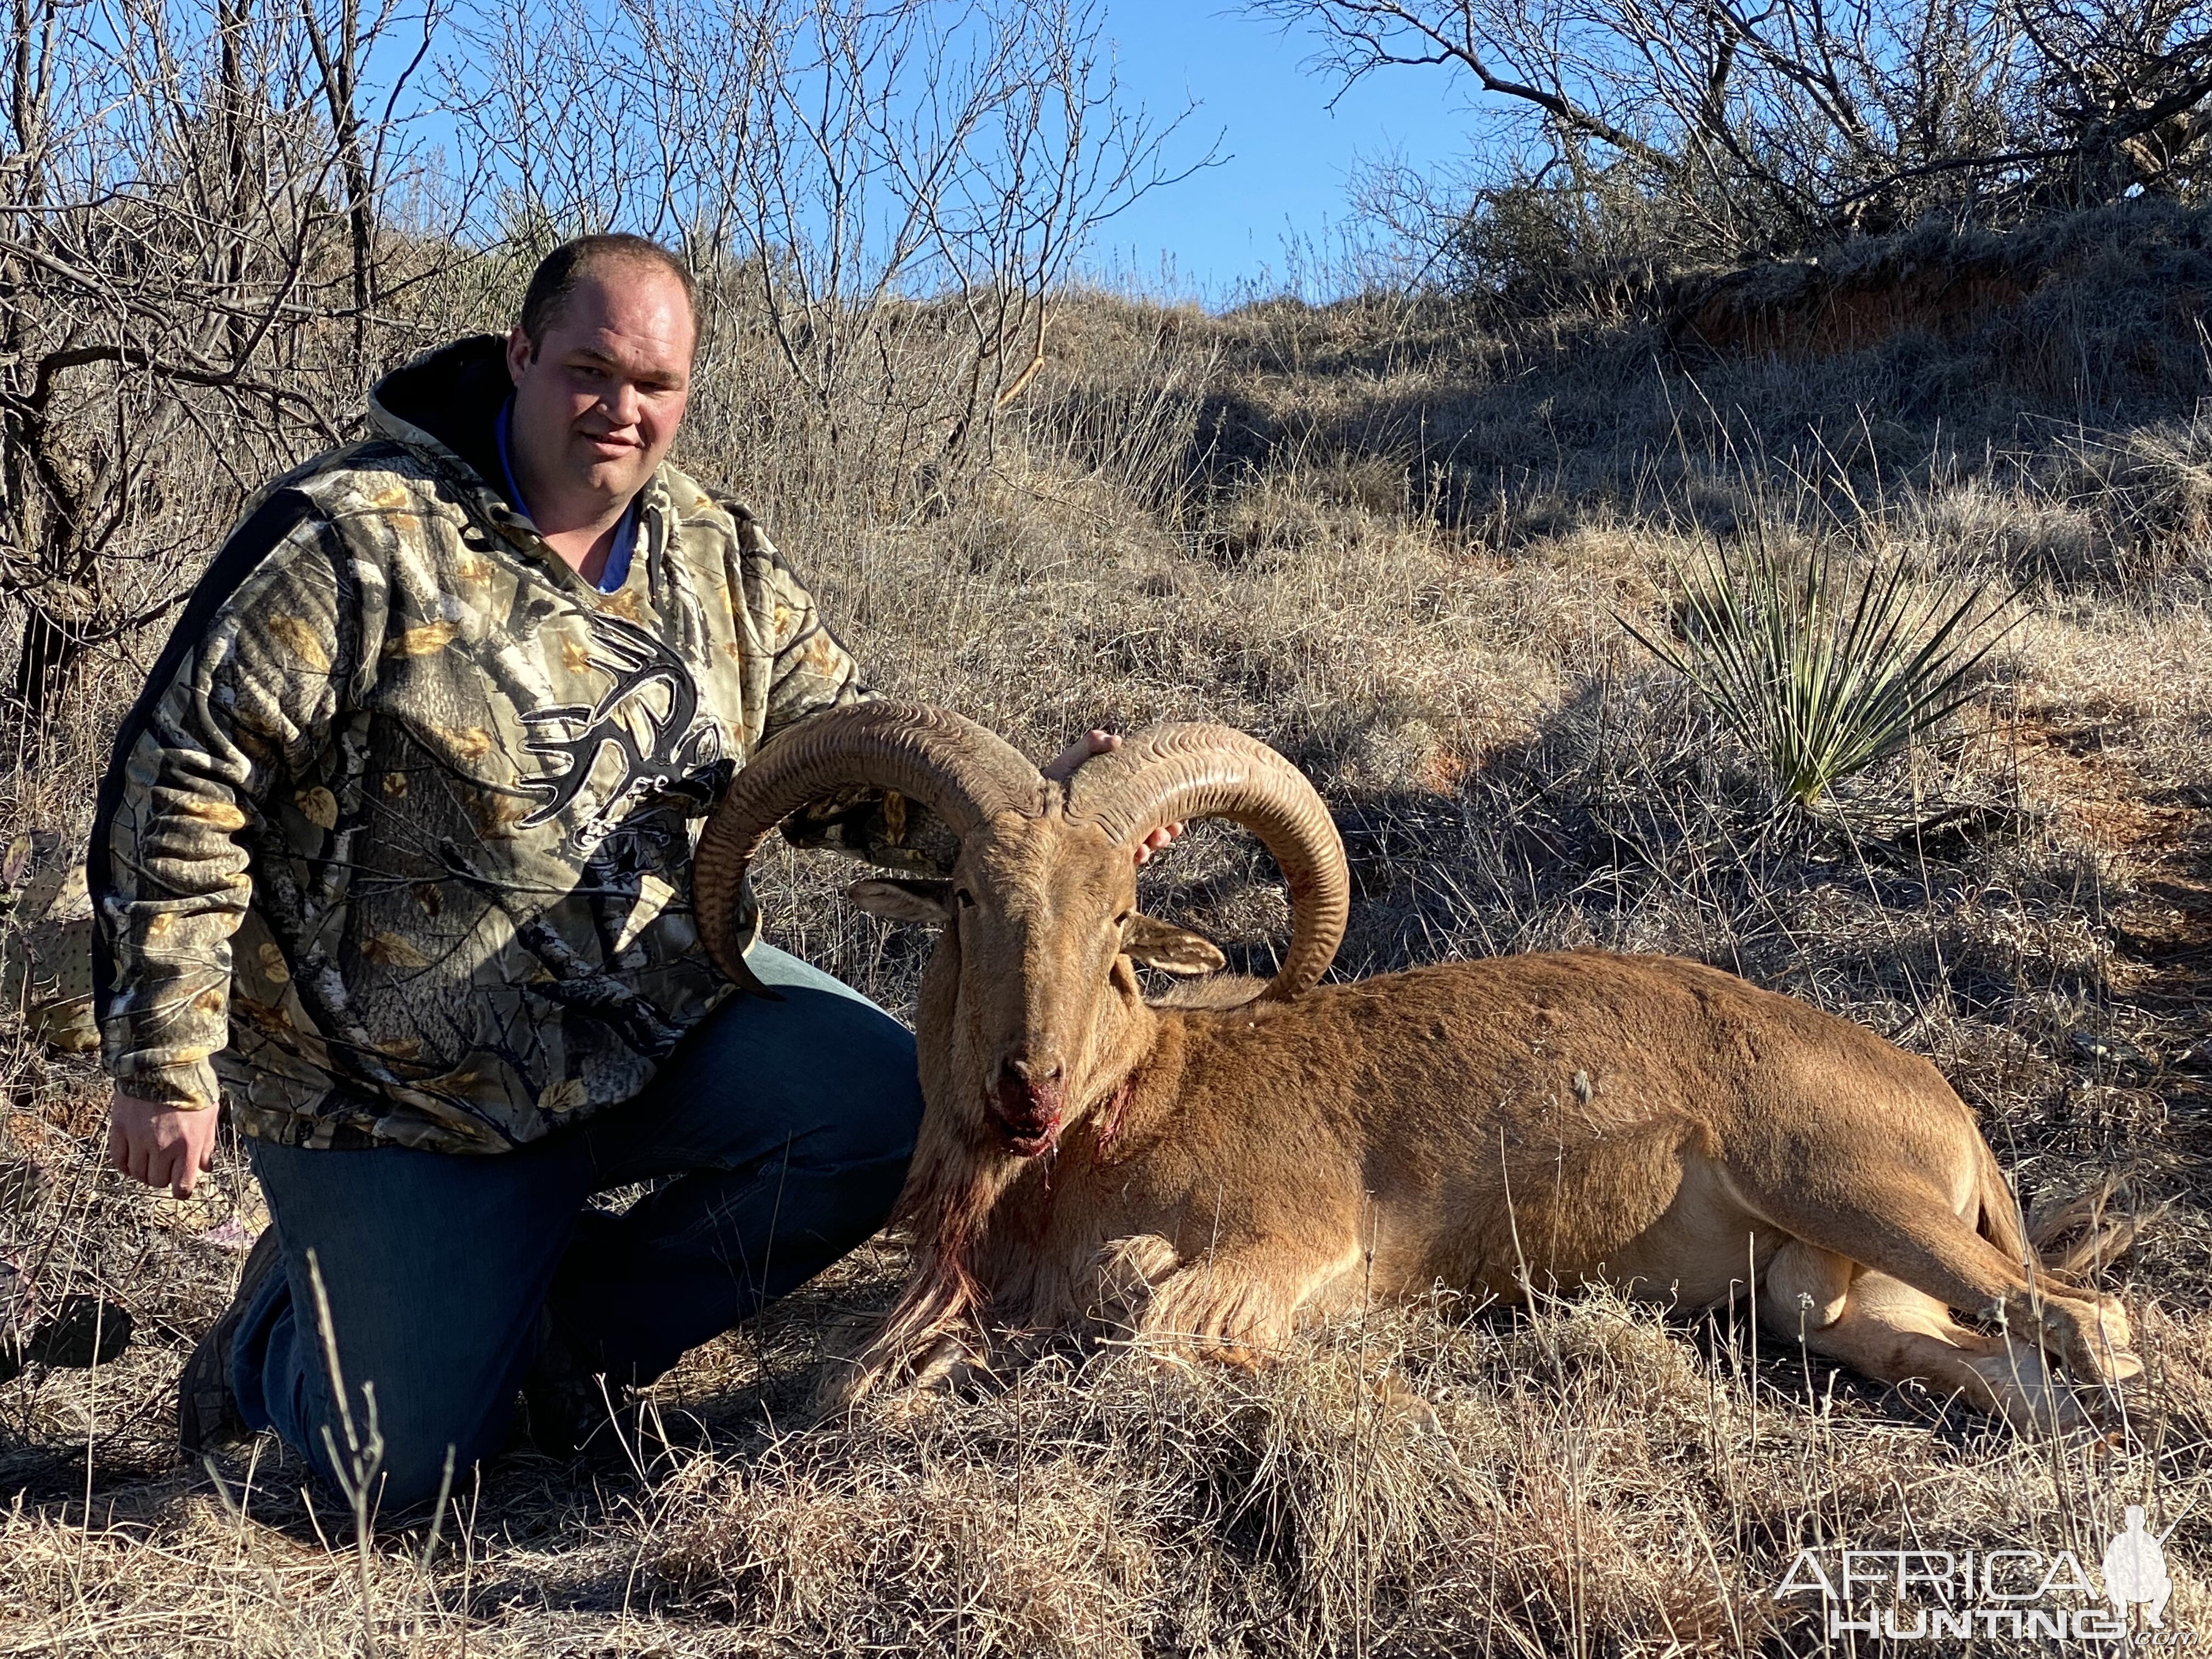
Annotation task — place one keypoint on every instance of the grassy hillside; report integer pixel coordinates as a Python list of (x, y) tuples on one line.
[(1396, 538)]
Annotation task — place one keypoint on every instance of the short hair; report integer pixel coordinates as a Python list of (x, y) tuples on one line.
[(560, 273)]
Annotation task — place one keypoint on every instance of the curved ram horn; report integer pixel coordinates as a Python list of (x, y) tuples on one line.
[(1168, 773), (950, 765)]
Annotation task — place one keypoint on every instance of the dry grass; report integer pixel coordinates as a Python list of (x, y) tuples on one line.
[(1393, 541)]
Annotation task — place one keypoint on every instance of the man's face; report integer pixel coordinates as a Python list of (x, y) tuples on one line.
[(598, 401)]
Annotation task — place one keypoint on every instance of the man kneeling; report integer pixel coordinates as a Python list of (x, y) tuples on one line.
[(394, 853)]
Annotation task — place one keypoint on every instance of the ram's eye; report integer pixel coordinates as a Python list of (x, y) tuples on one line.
[(967, 899), (1124, 919)]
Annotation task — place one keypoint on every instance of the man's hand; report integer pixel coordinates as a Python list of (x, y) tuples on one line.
[(161, 1146), (1095, 742)]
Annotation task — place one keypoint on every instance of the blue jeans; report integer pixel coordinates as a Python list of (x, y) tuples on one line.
[(787, 1126)]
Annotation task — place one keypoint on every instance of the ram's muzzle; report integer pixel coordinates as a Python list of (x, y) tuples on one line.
[(1026, 1105)]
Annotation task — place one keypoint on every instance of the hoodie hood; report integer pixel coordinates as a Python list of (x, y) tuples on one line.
[(444, 402)]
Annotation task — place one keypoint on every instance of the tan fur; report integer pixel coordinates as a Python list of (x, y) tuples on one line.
[(1221, 1173)]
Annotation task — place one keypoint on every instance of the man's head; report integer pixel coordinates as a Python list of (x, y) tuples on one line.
[(601, 362)]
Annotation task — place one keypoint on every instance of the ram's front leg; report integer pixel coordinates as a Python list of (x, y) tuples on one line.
[(1238, 1306)]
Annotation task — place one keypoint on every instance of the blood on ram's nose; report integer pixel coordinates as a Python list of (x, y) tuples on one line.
[(1026, 1102)]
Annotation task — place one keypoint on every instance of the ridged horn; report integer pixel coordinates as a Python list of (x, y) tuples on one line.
[(950, 765), (1165, 774)]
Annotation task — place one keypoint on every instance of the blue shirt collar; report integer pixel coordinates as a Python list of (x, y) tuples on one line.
[(618, 555)]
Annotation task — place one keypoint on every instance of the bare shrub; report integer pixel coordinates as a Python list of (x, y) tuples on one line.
[(1626, 137), (197, 262), (882, 203)]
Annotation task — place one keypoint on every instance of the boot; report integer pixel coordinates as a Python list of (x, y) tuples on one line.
[(206, 1410)]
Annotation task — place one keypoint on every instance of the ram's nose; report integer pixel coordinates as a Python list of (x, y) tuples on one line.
[(1027, 1100), (1033, 1074)]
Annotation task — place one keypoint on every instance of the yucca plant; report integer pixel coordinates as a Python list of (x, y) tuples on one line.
[(1822, 669)]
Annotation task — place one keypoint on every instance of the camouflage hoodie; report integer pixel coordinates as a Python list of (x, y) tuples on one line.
[(396, 847)]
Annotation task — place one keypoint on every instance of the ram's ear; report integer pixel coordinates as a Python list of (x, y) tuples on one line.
[(1170, 949), (904, 900)]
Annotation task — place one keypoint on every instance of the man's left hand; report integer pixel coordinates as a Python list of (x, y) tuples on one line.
[(1095, 742)]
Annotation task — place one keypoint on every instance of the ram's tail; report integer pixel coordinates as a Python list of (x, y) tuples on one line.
[(2078, 1236), (2001, 1223), (2068, 1238)]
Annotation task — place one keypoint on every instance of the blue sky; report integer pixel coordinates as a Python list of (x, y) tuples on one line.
[(1285, 158), (1288, 156)]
